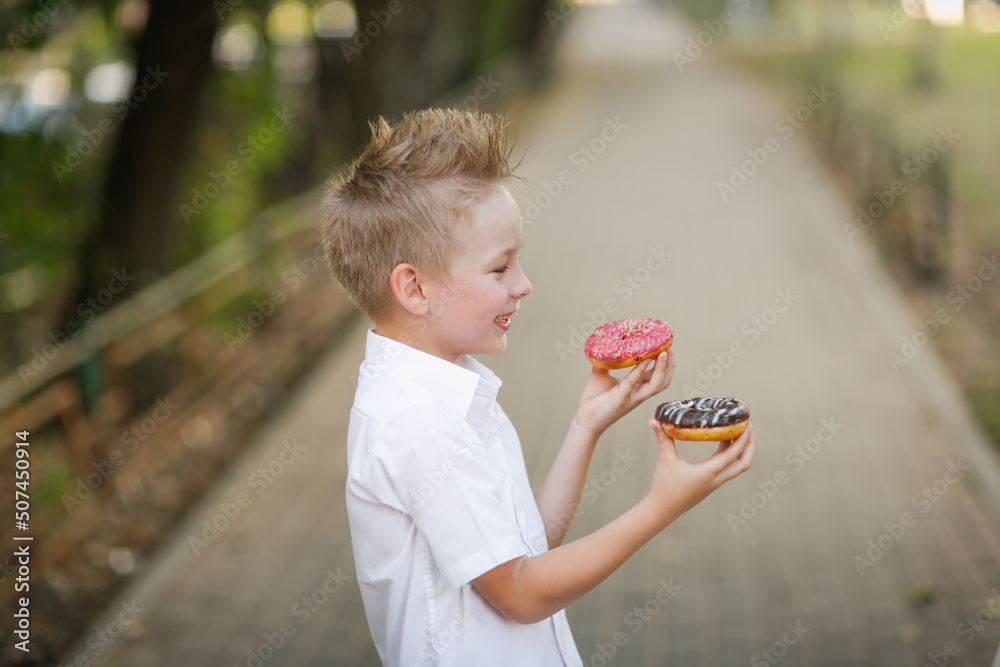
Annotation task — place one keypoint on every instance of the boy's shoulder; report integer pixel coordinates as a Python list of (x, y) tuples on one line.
[(403, 425), (395, 377), (386, 396)]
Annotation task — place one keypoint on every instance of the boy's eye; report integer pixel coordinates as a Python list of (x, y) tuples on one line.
[(502, 269)]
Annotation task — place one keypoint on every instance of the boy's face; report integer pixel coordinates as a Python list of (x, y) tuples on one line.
[(471, 310)]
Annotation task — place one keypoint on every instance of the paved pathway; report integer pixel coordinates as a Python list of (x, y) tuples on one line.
[(860, 536)]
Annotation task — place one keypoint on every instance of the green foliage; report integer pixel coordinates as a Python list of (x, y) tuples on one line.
[(700, 10), (986, 402), (879, 81), (33, 204), (500, 22), (48, 492), (237, 111), (46, 198)]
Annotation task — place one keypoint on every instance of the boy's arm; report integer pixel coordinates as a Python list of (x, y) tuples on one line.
[(528, 590), (605, 400)]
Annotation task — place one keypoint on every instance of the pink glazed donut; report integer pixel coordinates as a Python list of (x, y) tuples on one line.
[(627, 342)]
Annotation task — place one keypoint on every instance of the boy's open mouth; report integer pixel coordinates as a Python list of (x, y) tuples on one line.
[(503, 321)]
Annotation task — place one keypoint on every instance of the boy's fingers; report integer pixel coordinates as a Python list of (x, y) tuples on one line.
[(671, 363), (743, 447), (661, 435), (632, 379), (747, 455), (665, 442), (655, 379), (725, 444), (659, 370), (743, 461), (726, 454), (646, 382), (667, 368)]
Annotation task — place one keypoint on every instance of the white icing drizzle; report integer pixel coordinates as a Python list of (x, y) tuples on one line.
[(703, 412)]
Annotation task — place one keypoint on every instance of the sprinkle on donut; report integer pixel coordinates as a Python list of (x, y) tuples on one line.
[(627, 342)]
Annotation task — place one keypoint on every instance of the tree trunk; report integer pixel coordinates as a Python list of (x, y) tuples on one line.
[(138, 210), (139, 203)]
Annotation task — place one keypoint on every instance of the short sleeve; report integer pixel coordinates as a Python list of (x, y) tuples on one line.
[(441, 476)]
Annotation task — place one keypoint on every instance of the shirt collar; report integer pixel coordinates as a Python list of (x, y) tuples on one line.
[(454, 384)]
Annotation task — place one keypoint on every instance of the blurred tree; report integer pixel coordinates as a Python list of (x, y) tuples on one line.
[(185, 120), (138, 207)]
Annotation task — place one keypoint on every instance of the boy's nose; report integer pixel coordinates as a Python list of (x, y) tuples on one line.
[(524, 287)]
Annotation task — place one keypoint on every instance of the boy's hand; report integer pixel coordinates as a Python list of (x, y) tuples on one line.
[(530, 589), (606, 399), (679, 485)]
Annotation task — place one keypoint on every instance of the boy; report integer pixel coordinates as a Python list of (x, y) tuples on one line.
[(458, 562)]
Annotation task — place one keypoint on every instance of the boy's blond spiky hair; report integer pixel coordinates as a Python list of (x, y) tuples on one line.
[(405, 197)]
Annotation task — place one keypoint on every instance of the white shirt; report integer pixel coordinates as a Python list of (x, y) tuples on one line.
[(437, 494)]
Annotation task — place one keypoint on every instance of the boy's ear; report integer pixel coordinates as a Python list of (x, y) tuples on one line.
[(407, 284)]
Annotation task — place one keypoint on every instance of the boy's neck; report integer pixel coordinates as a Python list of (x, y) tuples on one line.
[(405, 334)]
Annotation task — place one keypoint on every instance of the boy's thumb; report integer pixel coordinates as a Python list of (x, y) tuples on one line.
[(661, 434)]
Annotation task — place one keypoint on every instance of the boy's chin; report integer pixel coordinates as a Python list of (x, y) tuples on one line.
[(494, 346)]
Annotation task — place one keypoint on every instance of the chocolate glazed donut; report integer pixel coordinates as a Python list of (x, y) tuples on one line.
[(703, 418)]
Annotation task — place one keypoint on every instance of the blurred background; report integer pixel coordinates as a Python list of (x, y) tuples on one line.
[(163, 299)]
